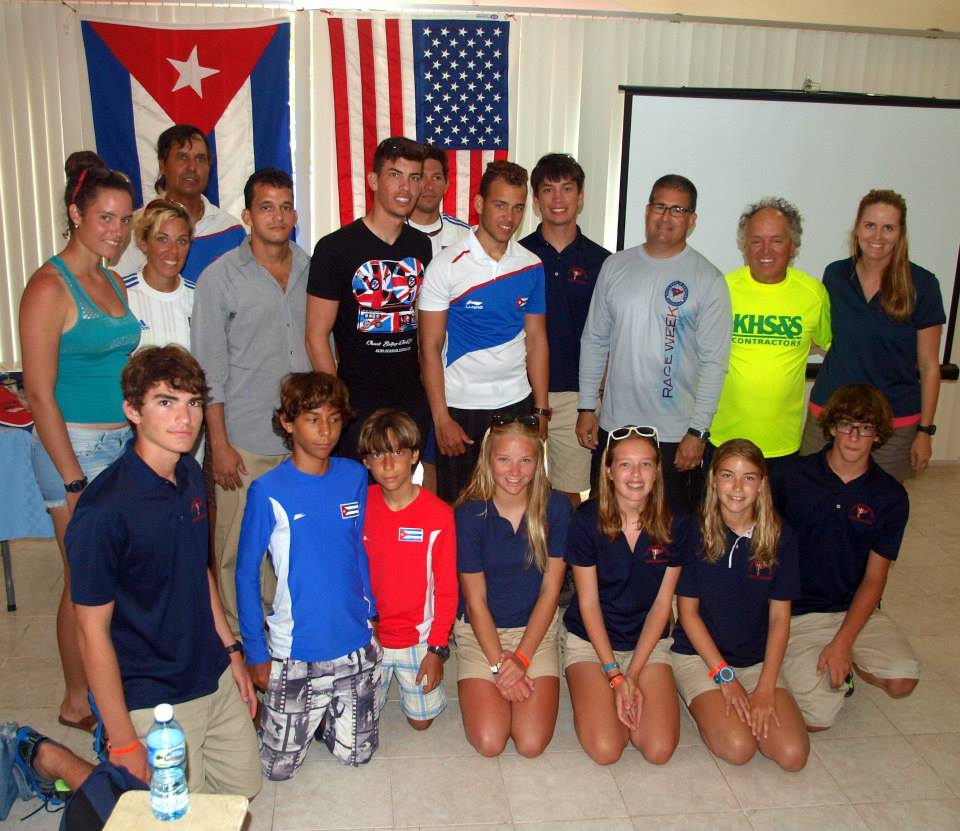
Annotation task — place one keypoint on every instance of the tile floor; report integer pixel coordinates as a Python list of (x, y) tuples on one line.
[(885, 765)]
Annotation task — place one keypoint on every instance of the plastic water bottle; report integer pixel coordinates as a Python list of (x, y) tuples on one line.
[(167, 755)]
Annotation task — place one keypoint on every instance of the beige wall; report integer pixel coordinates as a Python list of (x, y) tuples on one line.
[(868, 14), (879, 14)]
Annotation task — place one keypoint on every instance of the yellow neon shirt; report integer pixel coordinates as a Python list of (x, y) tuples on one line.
[(774, 325)]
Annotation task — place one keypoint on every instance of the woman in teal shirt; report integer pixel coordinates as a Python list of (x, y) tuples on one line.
[(76, 332)]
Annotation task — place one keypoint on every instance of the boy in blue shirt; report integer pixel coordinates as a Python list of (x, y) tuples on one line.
[(319, 657)]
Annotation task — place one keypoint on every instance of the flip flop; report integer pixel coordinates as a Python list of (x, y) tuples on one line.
[(88, 723)]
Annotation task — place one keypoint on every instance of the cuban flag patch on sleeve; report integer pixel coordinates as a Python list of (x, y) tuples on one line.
[(349, 510), (410, 535)]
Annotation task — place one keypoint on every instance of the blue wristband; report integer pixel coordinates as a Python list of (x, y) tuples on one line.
[(608, 667)]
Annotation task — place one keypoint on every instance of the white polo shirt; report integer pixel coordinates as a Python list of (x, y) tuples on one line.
[(485, 354)]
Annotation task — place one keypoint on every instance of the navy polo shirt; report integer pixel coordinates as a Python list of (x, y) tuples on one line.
[(837, 526), (627, 580), (870, 348), (734, 594), (569, 278), (140, 542), (487, 543)]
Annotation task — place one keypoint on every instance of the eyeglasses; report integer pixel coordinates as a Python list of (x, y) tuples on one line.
[(675, 210), (865, 431), (527, 420), (628, 430)]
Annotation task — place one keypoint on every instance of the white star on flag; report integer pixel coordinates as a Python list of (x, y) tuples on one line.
[(191, 73)]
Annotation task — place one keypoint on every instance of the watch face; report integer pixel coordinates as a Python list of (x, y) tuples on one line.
[(726, 675)]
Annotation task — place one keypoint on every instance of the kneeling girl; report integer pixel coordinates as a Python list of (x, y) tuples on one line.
[(734, 606), (511, 535), (625, 548)]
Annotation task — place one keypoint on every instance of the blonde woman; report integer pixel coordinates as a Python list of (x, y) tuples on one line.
[(511, 536), (626, 549), (734, 604), (887, 318), (159, 296)]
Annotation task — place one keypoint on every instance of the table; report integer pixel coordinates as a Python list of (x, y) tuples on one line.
[(208, 812), (22, 513)]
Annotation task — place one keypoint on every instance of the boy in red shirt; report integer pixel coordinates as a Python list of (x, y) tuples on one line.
[(411, 543)]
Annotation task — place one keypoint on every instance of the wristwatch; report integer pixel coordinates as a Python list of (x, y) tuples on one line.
[(236, 646), (929, 429), (442, 652), (700, 435), (75, 486), (543, 411), (724, 675)]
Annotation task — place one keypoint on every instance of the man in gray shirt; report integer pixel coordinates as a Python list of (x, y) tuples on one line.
[(660, 320), (248, 332)]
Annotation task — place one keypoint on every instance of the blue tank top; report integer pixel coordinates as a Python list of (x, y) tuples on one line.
[(93, 352)]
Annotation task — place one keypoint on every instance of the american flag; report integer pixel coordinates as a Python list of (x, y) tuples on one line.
[(442, 81)]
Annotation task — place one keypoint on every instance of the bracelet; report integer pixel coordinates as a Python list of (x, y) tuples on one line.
[(717, 669), (611, 665), (117, 751), (617, 679), (523, 659)]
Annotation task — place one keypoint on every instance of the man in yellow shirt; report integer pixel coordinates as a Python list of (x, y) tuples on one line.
[(778, 313)]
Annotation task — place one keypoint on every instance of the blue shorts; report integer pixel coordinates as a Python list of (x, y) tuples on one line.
[(95, 449), (429, 454)]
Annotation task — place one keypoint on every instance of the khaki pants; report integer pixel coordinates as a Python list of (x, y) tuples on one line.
[(230, 507), (222, 753)]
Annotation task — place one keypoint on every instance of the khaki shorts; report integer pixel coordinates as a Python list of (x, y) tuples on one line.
[(893, 457), (568, 464), (222, 753), (693, 677), (880, 649), (577, 651), (472, 663)]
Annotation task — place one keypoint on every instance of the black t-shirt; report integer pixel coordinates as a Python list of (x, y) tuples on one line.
[(375, 332)]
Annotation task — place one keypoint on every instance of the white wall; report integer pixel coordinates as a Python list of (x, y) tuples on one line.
[(568, 100)]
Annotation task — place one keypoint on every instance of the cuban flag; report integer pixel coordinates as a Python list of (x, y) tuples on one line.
[(410, 535), (231, 83)]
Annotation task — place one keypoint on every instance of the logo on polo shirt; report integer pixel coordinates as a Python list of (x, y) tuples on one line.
[(759, 571), (656, 554), (862, 513), (521, 302), (676, 293), (577, 275), (349, 510), (410, 535), (474, 304), (198, 509)]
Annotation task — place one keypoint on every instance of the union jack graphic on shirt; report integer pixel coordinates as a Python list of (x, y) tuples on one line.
[(410, 535), (349, 510), (386, 291)]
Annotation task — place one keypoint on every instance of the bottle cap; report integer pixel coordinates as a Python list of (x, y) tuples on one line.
[(163, 712)]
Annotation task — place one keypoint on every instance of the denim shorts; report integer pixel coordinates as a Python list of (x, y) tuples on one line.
[(95, 449)]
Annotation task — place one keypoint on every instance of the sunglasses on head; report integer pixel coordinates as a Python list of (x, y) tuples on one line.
[(527, 420), (628, 430)]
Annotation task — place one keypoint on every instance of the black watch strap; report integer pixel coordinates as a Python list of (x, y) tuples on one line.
[(76, 485), (929, 429), (236, 646), (701, 435), (442, 652)]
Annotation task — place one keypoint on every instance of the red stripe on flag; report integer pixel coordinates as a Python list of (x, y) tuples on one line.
[(394, 70), (368, 96), (341, 120), (450, 197), (476, 174)]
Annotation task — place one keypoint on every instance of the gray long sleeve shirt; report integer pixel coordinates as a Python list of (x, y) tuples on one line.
[(247, 333), (665, 325)]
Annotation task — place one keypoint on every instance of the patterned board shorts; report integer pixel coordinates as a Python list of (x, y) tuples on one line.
[(345, 690)]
